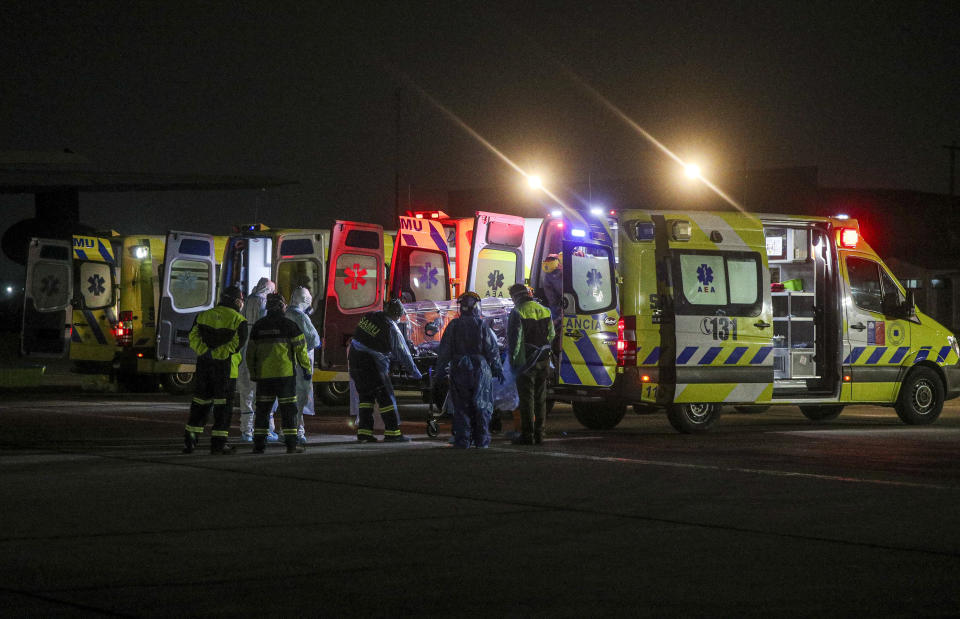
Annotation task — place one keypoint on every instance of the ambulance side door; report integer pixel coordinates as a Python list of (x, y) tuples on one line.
[(876, 343), (496, 254), (722, 322), (48, 291), (187, 287), (355, 285), (300, 260)]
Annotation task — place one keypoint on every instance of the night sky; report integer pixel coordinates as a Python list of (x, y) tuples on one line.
[(867, 92)]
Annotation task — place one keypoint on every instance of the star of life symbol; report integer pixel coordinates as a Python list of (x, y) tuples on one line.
[(49, 285), (96, 287), (495, 280), (355, 276), (428, 274), (594, 278), (704, 274)]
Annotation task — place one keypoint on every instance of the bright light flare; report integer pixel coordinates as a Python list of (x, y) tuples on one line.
[(692, 171), (535, 181)]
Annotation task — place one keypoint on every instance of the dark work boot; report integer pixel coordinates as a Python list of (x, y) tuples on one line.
[(259, 444), (538, 438), (293, 445), (189, 442), (219, 447), (523, 439)]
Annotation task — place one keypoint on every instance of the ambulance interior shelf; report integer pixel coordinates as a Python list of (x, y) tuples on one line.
[(793, 293)]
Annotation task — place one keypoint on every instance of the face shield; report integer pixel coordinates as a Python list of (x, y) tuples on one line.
[(301, 299)]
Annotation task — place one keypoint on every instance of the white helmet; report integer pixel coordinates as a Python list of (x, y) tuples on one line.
[(300, 298)]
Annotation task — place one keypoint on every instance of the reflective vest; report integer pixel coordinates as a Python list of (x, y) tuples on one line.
[(277, 348), (220, 331), (529, 329)]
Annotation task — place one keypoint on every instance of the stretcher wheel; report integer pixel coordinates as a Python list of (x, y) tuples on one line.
[(433, 429)]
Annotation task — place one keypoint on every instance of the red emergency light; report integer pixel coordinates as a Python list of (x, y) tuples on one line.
[(849, 237)]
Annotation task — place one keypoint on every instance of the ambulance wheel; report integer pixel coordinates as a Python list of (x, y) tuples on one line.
[(693, 418), (599, 415), (433, 429), (334, 394), (921, 397), (821, 413), (179, 382)]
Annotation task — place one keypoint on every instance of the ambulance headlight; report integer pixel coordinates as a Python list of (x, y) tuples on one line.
[(140, 252), (955, 345)]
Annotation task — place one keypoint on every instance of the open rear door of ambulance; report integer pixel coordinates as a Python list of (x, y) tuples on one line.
[(496, 255), (419, 267), (300, 260), (188, 287), (47, 308), (722, 324), (355, 284)]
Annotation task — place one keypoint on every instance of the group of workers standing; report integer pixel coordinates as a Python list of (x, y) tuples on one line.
[(276, 353)]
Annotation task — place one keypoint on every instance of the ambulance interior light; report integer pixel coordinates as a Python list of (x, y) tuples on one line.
[(140, 251), (578, 232)]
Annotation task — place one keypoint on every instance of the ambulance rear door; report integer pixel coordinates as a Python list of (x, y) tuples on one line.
[(355, 285), (188, 287), (300, 260), (95, 302), (720, 320), (420, 266), (496, 254), (47, 307)]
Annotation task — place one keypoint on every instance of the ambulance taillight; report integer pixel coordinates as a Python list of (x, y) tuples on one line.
[(849, 238), (627, 341), (123, 331)]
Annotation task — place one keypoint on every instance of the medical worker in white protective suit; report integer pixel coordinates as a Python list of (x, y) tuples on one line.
[(255, 308), (299, 312)]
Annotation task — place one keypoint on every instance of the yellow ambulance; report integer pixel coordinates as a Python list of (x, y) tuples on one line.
[(692, 311)]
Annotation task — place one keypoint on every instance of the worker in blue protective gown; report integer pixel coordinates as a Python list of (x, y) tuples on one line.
[(470, 356), (301, 302)]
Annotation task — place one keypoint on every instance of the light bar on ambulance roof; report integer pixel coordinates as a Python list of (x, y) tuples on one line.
[(849, 237), (596, 211), (682, 230), (555, 213), (578, 232)]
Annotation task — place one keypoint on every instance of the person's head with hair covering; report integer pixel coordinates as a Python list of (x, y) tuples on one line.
[(264, 286), (276, 303), (469, 303), (393, 309), (301, 299)]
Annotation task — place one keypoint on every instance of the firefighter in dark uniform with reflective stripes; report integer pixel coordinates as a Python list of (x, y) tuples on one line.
[(529, 334), (277, 351), (375, 341), (218, 335)]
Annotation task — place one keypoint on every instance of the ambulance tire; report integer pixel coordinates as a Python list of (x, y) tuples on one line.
[(693, 418), (178, 382), (599, 415), (334, 394), (921, 397), (822, 413)]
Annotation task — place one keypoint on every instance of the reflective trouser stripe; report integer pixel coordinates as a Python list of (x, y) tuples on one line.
[(365, 431), (366, 405), (261, 431), (391, 432), (220, 433), (288, 432), (202, 402), (290, 400), (220, 401), (196, 429), (387, 409)]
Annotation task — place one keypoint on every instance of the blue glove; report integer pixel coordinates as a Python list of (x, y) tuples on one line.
[(307, 374)]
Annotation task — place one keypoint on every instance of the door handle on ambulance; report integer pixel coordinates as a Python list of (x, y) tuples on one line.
[(761, 324), (859, 326)]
